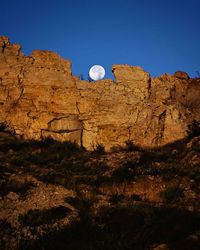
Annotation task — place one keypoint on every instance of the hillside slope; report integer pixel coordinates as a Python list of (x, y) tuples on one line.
[(56, 195)]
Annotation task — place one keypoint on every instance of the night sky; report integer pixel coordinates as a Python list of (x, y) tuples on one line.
[(162, 36)]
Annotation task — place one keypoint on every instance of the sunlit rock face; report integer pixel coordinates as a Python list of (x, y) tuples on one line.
[(40, 98)]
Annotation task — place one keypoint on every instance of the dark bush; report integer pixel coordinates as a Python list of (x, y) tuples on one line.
[(130, 146), (172, 193), (124, 173), (47, 141), (36, 217), (136, 197), (99, 149), (115, 198), (3, 126), (194, 129)]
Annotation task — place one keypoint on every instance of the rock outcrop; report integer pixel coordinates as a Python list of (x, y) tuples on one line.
[(39, 97)]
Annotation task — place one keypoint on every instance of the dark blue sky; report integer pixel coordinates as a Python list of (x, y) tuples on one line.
[(161, 36)]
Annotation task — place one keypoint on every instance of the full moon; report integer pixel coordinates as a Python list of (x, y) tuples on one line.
[(97, 72)]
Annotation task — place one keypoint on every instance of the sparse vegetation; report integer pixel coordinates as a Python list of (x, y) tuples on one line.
[(136, 197), (3, 126), (109, 200), (36, 217), (99, 149), (125, 172), (172, 193), (130, 146), (116, 198), (194, 129)]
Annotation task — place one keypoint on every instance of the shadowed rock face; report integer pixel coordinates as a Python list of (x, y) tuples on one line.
[(40, 98)]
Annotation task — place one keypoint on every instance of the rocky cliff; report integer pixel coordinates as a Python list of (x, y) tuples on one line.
[(39, 97)]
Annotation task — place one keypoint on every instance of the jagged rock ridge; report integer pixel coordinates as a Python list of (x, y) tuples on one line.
[(40, 98)]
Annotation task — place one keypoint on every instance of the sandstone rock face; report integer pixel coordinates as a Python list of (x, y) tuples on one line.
[(40, 98)]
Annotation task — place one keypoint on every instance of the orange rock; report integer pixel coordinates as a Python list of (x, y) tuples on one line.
[(181, 75), (40, 97)]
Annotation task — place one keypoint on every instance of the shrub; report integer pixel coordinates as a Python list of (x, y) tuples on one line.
[(100, 148), (136, 197), (171, 193), (3, 126), (116, 198), (36, 217), (124, 173), (194, 129), (47, 141), (130, 146), (72, 146)]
